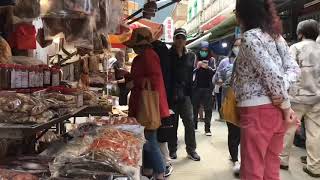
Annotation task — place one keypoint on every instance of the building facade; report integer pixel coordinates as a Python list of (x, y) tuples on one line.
[(201, 12), (179, 14)]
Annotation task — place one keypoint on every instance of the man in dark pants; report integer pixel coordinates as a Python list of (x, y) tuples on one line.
[(165, 132), (183, 66), (203, 87)]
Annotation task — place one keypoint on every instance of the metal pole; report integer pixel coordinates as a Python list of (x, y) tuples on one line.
[(134, 20)]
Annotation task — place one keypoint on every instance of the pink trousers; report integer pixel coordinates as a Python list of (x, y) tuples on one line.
[(262, 132)]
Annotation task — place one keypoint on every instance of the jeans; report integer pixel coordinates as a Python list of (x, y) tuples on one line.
[(203, 96), (233, 141), (184, 110), (262, 132), (165, 153), (152, 157)]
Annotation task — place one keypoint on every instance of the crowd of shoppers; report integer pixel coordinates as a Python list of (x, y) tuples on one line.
[(275, 87)]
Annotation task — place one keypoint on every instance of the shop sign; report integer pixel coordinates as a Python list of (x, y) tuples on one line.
[(168, 29)]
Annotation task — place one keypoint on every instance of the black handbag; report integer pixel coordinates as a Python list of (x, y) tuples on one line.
[(166, 130)]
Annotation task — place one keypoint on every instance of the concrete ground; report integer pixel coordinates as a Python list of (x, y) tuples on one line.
[(215, 163)]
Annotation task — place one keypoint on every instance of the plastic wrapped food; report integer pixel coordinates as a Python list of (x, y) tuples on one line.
[(24, 60), (90, 96), (85, 168), (5, 52), (35, 165), (96, 80), (60, 97), (21, 103), (76, 30), (116, 15), (67, 8), (116, 120), (124, 146), (73, 18), (27, 8), (21, 108), (102, 17), (73, 149), (15, 175), (82, 6)]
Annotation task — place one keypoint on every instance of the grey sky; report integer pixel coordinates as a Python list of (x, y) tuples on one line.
[(161, 15)]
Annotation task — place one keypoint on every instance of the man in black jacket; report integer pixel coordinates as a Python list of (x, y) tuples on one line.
[(203, 87), (183, 66), (165, 132)]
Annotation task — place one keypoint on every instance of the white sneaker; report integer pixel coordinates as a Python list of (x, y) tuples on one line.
[(236, 168)]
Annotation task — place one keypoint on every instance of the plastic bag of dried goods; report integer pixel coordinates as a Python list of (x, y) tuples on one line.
[(5, 52), (27, 8), (123, 145), (15, 175), (85, 168), (67, 8)]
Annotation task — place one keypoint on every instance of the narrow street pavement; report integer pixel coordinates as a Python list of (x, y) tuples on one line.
[(215, 163)]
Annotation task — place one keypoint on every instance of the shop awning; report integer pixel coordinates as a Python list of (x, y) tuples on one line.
[(197, 42), (219, 18), (225, 28), (117, 40), (214, 22)]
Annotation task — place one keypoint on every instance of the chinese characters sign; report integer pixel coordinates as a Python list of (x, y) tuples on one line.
[(168, 29)]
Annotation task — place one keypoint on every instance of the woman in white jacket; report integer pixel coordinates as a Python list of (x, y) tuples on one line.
[(264, 69)]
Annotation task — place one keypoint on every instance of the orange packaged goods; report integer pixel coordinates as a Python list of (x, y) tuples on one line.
[(123, 145)]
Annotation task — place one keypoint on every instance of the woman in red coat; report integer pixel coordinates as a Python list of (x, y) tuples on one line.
[(147, 66)]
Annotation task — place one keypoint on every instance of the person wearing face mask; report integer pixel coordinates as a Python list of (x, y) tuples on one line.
[(223, 76), (203, 87), (305, 96)]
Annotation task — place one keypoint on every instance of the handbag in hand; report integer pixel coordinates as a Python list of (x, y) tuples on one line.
[(149, 109), (229, 106), (229, 109)]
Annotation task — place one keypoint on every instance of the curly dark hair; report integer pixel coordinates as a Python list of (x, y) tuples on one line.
[(259, 14)]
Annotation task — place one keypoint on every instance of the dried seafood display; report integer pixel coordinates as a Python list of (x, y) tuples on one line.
[(21, 108)]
